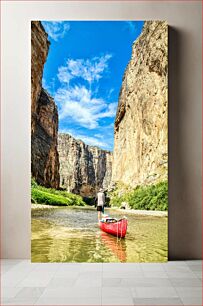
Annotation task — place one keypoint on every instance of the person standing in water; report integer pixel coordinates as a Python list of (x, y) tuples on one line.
[(100, 203)]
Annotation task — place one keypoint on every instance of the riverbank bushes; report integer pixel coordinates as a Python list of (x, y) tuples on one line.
[(43, 195), (150, 197)]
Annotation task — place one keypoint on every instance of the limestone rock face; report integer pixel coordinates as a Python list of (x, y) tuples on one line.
[(83, 169), (140, 132), (45, 159), (44, 120), (39, 52)]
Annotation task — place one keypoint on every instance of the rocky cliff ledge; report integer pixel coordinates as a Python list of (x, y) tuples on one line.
[(83, 168), (44, 115), (140, 135)]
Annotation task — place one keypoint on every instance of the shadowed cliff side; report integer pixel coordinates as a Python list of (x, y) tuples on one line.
[(44, 115), (83, 168), (140, 132)]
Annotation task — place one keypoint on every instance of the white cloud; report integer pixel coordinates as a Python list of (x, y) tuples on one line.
[(110, 92), (45, 85), (63, 75), (56, 29), (89, 140), (88, 69), (101, 136), (109, 112), (92, 141), (50, 87), (79, 105), (132, 26)]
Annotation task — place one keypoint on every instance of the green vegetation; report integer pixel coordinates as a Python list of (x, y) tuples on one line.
[(151, 197), (42, 195)]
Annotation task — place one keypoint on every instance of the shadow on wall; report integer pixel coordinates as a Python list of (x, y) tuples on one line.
[(184, 194)]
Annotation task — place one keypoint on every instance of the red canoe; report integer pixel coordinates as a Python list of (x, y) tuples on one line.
[(117, 229)]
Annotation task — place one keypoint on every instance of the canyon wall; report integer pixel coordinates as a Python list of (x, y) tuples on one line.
[(84, 169), (140, 131), (44, 115), (39, 52)]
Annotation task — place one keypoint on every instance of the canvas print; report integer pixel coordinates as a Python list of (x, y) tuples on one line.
[(99, 144)]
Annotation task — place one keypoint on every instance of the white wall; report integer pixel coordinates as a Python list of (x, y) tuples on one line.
[(184, 18)]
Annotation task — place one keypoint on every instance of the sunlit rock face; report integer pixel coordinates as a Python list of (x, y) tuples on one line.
[(84, 169), (140, 132), (44, 115)]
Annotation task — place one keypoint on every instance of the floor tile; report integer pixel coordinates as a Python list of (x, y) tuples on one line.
[(4, 301), (189, 291), (185, 282), (146, 282), (6, 268), (37, 279), (112, 282), (61, 282), (66, 274), (69, 301), (91, 267), (9, 292), (122, 267), (15, 275), (30, 292), (198, 274), (192, 301), (89, 282), (155, 274), (178, 274), (90, 275), (172, 283), (48, 267), (11, 261), (117, 301), (21, 301), (152, 267), (196, 268), (156, 292), (178, 268), (193, 262), (116, 292), (175, 263), (124, 274), (82, 292), (70, 267), (157, 301)]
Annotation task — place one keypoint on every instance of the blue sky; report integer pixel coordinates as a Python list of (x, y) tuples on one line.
[(83, 73)]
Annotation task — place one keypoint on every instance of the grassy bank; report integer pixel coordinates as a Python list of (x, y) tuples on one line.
[(42, 195), (151, 197)]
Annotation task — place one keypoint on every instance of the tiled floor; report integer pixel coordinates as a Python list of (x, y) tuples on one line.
[(172, 283)]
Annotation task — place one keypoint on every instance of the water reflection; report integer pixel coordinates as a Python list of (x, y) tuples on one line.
[(72, 235), (116, 245)]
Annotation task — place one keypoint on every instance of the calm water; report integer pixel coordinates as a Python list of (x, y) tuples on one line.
[(62, 234)]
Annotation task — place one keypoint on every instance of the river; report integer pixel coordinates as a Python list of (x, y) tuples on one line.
[(65, 234)]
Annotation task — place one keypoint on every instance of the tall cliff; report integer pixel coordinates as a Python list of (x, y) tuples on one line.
[(44, 115), (83, 169), (140, 132), (39, 52)]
